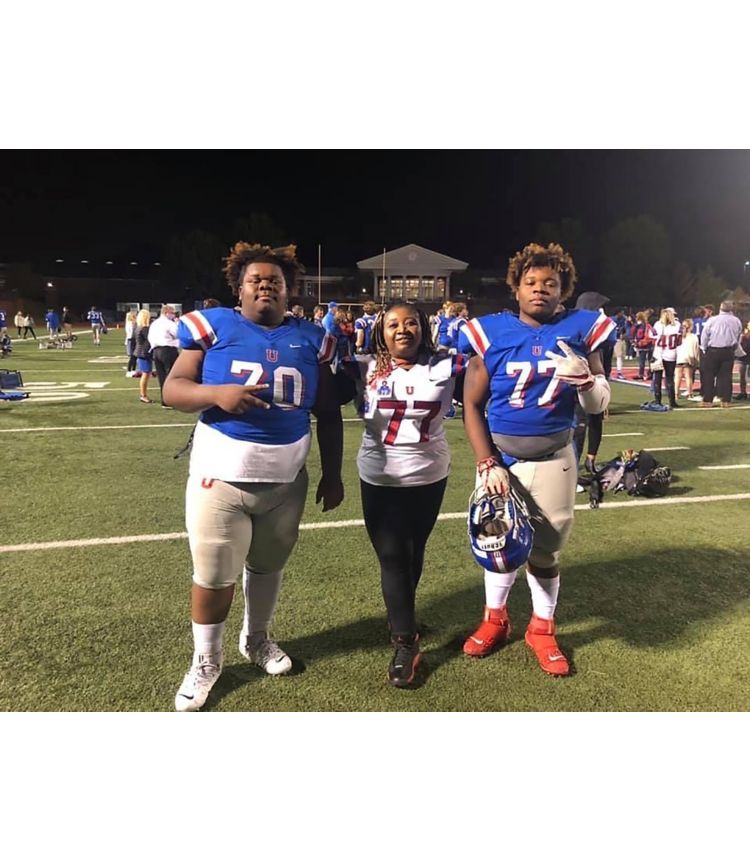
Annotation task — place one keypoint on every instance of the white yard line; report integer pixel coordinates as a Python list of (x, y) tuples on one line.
[(341, 524), (735, 466), (673, 448), (612, 435), (685, 410), (96, 427)]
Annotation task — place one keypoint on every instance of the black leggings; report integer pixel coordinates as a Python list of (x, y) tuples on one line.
[(399, 521), (668, 374), (595, 426)]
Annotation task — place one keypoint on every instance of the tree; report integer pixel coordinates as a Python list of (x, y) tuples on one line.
[(635, 262), (710, 288), (258, 227), (193, 264), (684, 286), (574, 237)]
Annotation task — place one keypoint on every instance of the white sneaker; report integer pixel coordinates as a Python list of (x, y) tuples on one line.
[(267, 654), (198, 682)]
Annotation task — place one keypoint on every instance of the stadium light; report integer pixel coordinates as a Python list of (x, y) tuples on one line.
[(109, 263), (50, 284), (157, 264), (133, 263), (60, 260), (84, 261)]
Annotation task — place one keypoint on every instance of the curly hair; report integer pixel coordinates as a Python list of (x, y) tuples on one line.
[(243, 254), (383, 360), (536, 256)]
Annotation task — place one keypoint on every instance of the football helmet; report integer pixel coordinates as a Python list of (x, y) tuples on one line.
[(500, 531)]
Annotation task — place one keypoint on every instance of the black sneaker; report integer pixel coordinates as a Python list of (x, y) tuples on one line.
[(403, 668), (740, 397)]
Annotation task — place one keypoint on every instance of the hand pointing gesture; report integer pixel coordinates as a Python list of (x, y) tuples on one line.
[(570, 367)]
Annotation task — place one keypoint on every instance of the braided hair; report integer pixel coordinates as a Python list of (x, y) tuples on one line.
[(383, 359)]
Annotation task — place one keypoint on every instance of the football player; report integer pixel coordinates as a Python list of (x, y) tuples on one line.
[(255, 376), (363, 328), (403, 462), (529, 371)]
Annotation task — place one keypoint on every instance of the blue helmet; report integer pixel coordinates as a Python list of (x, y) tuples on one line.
[(500, 531)]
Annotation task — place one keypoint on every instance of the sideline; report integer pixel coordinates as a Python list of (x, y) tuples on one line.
[(341, 524)]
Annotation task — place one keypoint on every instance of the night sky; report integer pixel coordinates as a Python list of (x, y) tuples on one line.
[(478, 206)]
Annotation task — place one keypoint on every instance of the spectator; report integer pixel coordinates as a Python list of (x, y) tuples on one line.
[(130, 342), (343, 331), (318, 313), (743, 361), (67, 322), (143, 352), (18, 321), (28, 326), (719, 339), (329, 320), (643, 337), (668, 337), (211, 303), (298, 312), (688, 356), (53, 322), (162, 337)]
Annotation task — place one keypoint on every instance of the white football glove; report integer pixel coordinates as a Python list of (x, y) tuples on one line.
[(493, 477), (571, 367)]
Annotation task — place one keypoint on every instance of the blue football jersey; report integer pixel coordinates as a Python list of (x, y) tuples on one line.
[(238, 351), (443, 337), (525, 398), (365, 324), (95, 317)]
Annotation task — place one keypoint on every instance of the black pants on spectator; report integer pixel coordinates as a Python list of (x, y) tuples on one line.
[(668, 374), (164, 357), (716, 373), (399, 521), (28, 329)]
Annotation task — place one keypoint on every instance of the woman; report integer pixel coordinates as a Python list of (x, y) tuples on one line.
[(28, 326), (403, 463), (667, 337), (130, 322), (688, 359), (18, 321), (643, 337), (530, 370), (742, 363), (144, 362), (255, 376)]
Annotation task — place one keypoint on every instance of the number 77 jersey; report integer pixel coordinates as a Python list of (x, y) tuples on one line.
[(525, 397)]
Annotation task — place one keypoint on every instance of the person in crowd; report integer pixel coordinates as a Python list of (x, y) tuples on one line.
[(67, 322), (3, 323), (458, 321), (211, 303), (403, 463), (96, 318), (329, 320), (592, 425), (667, 337), (318, 313), (162, 337), (720, 338), (699, 319), (620, 353), (643, 337), (688, 357), (52, 318), (255, 376), (144, 361), (18, 321), (297, 311), (130, 318), (363, 328), (28, 326), (529, 371), (743, 361), (444, 324)]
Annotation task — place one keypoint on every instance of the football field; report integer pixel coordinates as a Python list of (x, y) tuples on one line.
[(95, 569)]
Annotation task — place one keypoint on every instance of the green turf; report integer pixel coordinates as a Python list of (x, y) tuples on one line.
[(653, 609)]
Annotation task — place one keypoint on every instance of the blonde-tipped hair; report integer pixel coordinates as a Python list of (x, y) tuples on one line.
[(536, 256), (667, 317), (144, 317)]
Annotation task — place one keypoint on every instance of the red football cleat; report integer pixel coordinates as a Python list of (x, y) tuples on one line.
[(540, 637), (492, 633)]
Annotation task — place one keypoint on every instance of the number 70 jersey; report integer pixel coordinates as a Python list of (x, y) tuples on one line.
[(525, 398)]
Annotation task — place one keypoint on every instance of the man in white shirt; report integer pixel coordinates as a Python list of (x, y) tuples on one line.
[(162, 336)]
